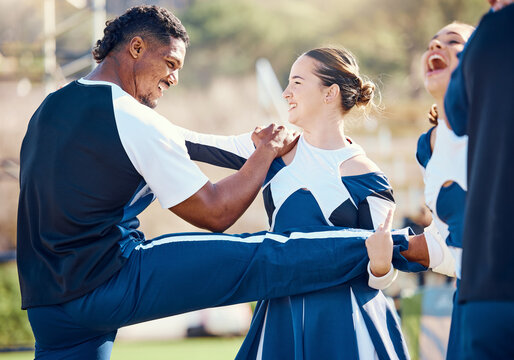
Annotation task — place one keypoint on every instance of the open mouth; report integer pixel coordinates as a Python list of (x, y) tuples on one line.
[(292, 106), (436, 63)]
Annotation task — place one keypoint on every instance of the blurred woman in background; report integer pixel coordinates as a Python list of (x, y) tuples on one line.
[(442, 155)]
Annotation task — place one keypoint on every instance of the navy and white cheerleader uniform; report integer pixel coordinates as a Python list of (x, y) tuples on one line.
[(444, 174), (350, 321)]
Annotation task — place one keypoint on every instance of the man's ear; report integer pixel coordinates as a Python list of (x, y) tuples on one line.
[(136, 47)]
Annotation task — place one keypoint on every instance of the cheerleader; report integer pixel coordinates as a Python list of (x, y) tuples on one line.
[(442, 155), (326, 180)]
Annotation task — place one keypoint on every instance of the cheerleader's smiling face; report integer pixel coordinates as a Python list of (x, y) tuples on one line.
[(304, 92), (440, 58)]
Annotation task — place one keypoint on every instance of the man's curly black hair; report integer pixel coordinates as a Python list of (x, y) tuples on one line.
[(145, 21)]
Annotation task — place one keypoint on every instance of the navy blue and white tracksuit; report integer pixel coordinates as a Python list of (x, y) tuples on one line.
[(444, 174)]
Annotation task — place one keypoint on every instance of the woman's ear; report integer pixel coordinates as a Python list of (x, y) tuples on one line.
[(332, 93)]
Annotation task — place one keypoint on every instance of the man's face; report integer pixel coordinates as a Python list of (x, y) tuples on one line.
[(157, 69)]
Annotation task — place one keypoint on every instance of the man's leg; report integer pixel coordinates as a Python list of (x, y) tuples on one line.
[(178, 273), (58, 336)]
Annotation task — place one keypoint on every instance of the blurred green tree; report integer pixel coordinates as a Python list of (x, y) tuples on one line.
[(14, 326), (388, 36)]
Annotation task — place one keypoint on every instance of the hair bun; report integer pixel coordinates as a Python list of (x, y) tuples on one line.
[(366, 94)]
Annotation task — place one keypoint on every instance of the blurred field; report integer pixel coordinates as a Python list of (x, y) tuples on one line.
[(189, 349)]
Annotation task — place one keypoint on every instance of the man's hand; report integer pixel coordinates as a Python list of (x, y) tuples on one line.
[(276, 138), (380, 248), (217, 206), (499, 4)]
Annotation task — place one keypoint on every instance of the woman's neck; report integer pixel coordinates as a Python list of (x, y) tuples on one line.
[(326, 134), (441, 114)]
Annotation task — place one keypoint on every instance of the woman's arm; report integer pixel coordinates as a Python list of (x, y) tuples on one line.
[(224, 151), (373, 196)]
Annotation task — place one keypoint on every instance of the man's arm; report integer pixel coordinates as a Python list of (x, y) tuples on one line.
[(418, 250), (430, 250), (217, 206)]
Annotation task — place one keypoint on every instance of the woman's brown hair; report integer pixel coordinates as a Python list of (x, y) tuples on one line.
[(338, 66)]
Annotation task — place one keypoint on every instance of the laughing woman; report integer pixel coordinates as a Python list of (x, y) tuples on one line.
[(443, 155), (326, 180)]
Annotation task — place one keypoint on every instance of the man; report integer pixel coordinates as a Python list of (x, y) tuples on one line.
[(95, 155), (479, 103)]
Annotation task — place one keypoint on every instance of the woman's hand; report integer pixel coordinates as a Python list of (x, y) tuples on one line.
[(380, 247)]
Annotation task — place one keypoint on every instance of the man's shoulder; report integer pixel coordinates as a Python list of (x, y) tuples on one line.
[(73, 98), (125, 105), (130, 113)]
